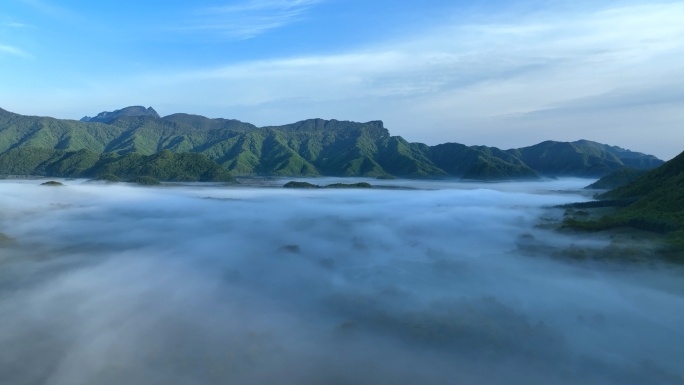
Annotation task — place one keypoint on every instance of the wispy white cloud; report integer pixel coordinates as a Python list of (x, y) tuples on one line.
[(255, 5), (251, 18), (566, 59), (16, 25), (10, 50), (52, 10)]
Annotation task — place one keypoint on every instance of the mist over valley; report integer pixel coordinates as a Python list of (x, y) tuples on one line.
[(319, 192), (425, 283)]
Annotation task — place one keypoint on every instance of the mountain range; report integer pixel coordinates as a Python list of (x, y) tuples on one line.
[(313, 147)]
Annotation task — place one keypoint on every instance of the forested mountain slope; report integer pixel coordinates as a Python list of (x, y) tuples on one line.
[(164, 166), (311, 147), (617, 179), (654, 202)]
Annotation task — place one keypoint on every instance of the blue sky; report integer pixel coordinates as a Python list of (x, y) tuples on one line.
[(501, 73)]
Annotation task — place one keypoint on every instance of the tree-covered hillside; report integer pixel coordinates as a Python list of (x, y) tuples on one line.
[(655, 202), (164, 166), (617, 179), (582, 158), (310, 148)]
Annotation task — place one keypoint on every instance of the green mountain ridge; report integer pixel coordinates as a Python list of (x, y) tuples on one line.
[(655, 203), (617, 179), (313, 147), (84, 163)]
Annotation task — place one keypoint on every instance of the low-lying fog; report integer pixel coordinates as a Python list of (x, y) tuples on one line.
[(114, 284)]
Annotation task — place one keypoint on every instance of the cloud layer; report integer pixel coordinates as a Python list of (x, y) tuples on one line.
[(114, 284)]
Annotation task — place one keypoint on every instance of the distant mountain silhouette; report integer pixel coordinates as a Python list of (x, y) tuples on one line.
[(106, 117)]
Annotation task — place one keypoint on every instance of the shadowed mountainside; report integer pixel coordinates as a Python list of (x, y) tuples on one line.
[(617, 179), (311, 148), (652, 202)]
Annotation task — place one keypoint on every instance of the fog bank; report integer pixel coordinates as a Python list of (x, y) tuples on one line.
[(114, 284)]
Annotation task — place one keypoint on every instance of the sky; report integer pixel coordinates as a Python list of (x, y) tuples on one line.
[(489, 72)]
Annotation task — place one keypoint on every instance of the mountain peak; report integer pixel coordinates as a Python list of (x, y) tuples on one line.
[(106, 117), (311, 125)]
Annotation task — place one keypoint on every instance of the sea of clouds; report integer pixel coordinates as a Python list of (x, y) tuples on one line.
[(206, 284)]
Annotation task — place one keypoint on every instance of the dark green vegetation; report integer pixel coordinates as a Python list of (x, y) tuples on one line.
[(309, 148), (6, 240), (52, 183), (107, 178), (654, 202), (626, 245), (294, 184), (617, 179), (600, 203), (84, 163), (145, 181), (350, 185)]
